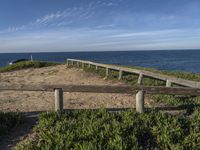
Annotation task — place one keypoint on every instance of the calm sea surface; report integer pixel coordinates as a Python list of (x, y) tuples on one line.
[(179, 60)]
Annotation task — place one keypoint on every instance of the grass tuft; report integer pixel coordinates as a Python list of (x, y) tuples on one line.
[(27, 64)]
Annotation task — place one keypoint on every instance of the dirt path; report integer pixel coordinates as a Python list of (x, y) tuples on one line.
[(42, 101)]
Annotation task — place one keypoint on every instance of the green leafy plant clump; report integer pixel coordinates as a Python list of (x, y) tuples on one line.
[(188, 103), (9, 120), (27, 64), (100, 129)]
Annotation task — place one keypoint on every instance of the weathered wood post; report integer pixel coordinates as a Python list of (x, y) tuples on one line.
[(77, 64), (58, 99), (107, 72), (82, 65), (140, 101), (96, 67), (89, 65), (140, 78), (120, 75), (168, 83)]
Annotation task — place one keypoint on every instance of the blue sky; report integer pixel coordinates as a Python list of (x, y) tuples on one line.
[(98, 25)]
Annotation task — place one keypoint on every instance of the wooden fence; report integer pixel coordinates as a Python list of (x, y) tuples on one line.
[(192, 88), (142, 73), (140, 91)]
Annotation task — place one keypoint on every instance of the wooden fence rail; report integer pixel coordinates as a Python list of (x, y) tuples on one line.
[(140, 91), (142, 73)]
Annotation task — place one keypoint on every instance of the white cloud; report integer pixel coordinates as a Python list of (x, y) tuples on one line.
[(12, 29), (105, 26), (59, 18), (99, 39), (65, 17), (165, 32), (58, 31)]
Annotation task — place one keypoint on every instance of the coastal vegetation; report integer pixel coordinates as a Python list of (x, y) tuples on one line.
[(101, 129), (27, 64)]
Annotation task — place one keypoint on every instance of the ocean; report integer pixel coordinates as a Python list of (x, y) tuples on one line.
[(176, 60)]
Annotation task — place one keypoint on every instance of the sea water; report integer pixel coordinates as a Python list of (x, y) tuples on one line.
[(176, 60)]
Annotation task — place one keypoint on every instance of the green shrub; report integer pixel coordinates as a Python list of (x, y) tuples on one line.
[(27, 64), (99, 129)]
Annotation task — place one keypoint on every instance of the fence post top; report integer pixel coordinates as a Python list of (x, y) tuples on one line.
[(141, 90), (57, 89)]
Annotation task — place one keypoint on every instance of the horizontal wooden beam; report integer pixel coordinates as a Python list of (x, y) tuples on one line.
[(149, 74), (105, 89)]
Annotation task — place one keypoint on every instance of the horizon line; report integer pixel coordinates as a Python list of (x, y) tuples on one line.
[(102, 51)]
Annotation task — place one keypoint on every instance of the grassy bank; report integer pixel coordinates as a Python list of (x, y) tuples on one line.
[(125, 130), (27, 64)]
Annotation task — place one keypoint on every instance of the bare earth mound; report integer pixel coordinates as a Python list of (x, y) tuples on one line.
[(42, 101)]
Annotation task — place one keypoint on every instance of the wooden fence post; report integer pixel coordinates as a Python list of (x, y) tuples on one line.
[(96, 67), (140, 78), (58, 99), (82, 65), (140, 101), (89, 65), (77, 64), (107, 72), (168, 83), (120, 75)]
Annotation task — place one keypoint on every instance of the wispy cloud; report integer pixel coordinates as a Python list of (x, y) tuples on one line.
[(105, 26), (147, 33), (78, 15), (65, 17), (90, 39), (100, 25), (59, 18), (12, 29)]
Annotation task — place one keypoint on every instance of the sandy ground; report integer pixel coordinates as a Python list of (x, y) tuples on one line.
[(42, 101)]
